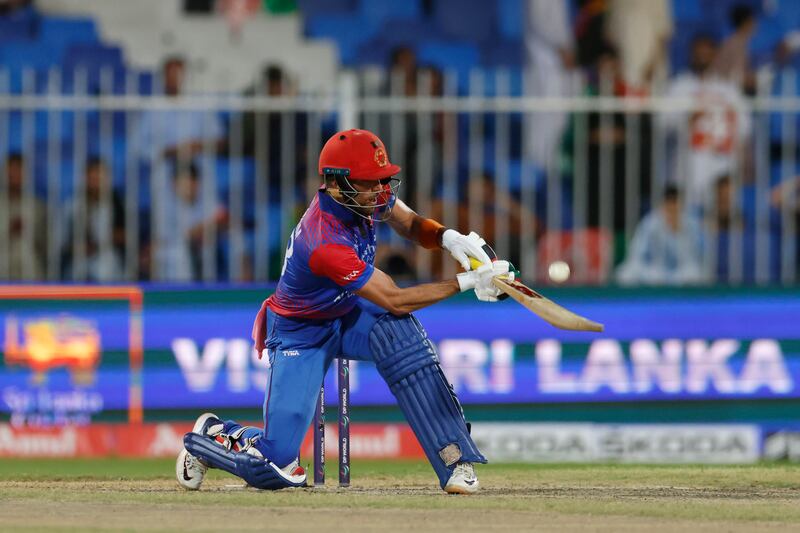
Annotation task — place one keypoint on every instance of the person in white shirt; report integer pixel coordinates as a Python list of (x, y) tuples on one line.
[(178, 253), (709, 136), (641, 32), (549, 45), (666, 249)]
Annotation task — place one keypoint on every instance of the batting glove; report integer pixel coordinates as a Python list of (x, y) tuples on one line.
[(480, 280), (462, 247)]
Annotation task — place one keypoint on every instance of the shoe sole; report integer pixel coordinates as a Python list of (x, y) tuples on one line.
[(456, 489)]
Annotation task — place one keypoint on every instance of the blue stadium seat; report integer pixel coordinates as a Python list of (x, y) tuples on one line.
[(227, 170), (92, 55), (503, 53), (467, 20), (102, 65), (62, 32), (20, 58), (511, 19), (687, 11), (14, 30), (347, 31), (395, 33), (513, 80), (459, 57), (378, 11), (33, 55), (319, 7)]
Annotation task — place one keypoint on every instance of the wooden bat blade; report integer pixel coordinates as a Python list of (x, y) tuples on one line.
[(550, 311)]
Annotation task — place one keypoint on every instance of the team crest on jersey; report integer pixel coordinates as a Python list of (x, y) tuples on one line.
[(380, 157)]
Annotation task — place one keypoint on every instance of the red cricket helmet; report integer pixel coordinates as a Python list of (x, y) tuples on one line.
[(356, 154)]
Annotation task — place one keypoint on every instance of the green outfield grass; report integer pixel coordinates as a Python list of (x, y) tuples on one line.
[(121, 494)]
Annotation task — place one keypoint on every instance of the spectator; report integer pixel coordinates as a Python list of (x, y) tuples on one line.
[(493, 206), (176, 133), (10, 8), (263, 132), (178, 251), (402, 67), (641, 31), (740, 257), (733, 60), (590, 32), (712, 134), (25, 220), (666, 248), (551, 59), (409, 79), (607, 165), (93, 245)]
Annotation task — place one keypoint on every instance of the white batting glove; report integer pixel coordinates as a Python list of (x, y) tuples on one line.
[(481, 280), (462, 247)]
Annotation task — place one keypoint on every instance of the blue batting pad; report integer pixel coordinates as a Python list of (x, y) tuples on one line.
[(407, 361), (257, 472)]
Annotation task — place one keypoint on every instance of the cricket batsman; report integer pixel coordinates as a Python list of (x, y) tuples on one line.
[(332, 302)]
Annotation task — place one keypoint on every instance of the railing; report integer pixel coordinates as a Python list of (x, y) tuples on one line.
[(466, 154)]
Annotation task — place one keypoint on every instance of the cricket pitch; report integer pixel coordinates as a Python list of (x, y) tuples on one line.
[(141, 495)]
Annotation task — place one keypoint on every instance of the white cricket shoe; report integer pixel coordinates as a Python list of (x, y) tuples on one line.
[(189, 470), (463, 480)]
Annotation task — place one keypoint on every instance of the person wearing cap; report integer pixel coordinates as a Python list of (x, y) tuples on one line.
[(332, 302)]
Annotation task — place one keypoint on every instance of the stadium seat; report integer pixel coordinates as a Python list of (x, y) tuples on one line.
[(378, 11), (63, 32), (320, 7), (472, 21), (587, 251), (511, 19), (14, 30), (347, 31), (503, 53), (103, 67), (448, 55), (687, 11)]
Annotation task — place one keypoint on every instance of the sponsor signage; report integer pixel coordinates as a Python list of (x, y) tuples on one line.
[(367, 441), (518, 442), (632, 443), (66, 362)]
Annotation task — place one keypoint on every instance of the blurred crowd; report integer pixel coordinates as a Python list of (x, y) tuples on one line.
[(696, 220)]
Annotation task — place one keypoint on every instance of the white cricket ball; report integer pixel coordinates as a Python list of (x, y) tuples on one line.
[(558, 271)]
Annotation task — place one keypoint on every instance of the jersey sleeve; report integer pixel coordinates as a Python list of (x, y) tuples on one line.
[(341, 264)]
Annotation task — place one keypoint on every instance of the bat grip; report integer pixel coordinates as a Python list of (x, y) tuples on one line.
[(474, 263)]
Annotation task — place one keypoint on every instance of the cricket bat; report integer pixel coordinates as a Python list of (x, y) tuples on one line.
[(548, 310)]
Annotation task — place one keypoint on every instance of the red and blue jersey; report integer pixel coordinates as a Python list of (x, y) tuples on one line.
[(329, 256)]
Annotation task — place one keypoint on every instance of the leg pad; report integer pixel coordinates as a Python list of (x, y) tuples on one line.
[(256, 471), (407, 361)]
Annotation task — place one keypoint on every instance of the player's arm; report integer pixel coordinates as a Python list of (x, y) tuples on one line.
[(432, 235), (381, 290)]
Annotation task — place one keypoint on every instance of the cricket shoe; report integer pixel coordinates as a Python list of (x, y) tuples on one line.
[(189, 470), (294, 469), (463, 480)]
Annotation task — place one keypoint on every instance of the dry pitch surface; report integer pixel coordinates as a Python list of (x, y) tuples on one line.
[(125, 495)]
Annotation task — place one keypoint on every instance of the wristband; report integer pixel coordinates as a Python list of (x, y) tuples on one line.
[(430, 233)]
